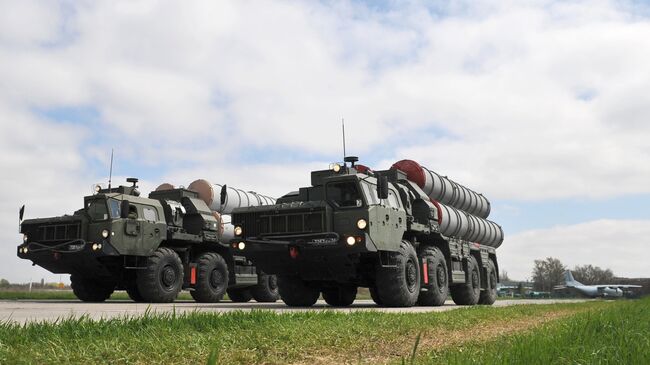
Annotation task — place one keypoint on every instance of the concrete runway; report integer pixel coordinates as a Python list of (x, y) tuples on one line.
[(22, 311)]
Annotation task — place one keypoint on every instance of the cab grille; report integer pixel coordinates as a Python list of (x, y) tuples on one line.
[(59, 232), (255, 224)]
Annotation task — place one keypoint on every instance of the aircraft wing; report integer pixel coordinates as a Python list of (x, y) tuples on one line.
[(601, 287)]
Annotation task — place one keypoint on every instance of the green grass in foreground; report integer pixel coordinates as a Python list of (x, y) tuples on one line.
[(248, 337), (616, 333)]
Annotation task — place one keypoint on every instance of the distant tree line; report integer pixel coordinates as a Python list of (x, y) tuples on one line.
[(549, 272)]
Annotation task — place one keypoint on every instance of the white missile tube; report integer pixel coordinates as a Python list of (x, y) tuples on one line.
[(457, 223), (445, 190), (235, 198)]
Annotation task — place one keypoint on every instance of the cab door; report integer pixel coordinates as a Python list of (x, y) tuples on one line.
[(152, 228), (133, 231)]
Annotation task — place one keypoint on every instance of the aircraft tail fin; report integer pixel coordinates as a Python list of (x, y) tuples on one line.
[(569, 280)]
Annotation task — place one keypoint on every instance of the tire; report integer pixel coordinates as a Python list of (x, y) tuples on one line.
[(295, 293), (489, 295), (211, 278), (438, 286), (375, 296), (400, 286), (88, 290), (341, 296), (266, 290), (240, 295), (468, 293), (162, 278), (134, 293)]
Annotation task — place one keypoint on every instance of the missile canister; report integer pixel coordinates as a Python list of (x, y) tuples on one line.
[(457, 223), (165, 186), (235, 198), (444, 190)]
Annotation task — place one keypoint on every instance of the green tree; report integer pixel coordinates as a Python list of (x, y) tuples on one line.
[(504, 276), (589, 275), (547, 274), (4, 283)]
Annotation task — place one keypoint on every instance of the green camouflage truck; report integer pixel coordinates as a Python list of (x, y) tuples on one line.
[(151, 247), (408, 234)]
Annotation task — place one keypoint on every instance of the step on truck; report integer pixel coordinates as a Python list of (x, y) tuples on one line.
[(408, 234), (151, 247)]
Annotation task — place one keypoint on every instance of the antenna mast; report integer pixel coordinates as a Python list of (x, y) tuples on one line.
[(343, 126), (110, 173)]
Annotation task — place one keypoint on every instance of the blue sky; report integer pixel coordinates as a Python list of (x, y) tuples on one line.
[(539, 105)]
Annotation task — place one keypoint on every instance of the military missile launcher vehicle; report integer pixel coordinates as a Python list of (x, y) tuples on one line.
[(411, 236), (151, 247)]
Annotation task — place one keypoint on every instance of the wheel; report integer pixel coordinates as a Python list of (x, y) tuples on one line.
[(489, 295), (399, 286), (162, 278), (375, 296), (134, 293), (211, 278), (239, 295), (295, 293), (468, 293), (438, 286), (88, 290), (341, 296), (266, 290)]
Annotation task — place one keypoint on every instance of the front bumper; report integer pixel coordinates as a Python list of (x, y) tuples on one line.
[(323, 256), (76, 256)]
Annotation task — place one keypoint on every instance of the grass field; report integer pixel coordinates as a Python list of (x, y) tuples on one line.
[(296, 337), (616, 333)]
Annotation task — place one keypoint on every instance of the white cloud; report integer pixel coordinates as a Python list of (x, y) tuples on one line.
[(535, 100), (619, 245)]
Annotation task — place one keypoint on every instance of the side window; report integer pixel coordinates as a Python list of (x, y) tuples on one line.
[(392, 199), (149, 214), (133, 212)]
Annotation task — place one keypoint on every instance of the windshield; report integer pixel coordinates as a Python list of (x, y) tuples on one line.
[(344, 194), (114, 206), (97, 210)]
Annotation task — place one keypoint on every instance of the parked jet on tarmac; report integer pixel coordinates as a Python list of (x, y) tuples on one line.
[(594, 291)]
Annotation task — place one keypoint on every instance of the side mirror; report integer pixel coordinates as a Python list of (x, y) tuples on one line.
[(223, 195), (382, 187), (21, 213), (124, 209)]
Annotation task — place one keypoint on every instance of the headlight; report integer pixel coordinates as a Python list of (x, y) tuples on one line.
[(97, 246), (25, 250), (105, 233), (241, 245), (351, 240), (25, 238), (238, 231), (362, 224), (335, 167)]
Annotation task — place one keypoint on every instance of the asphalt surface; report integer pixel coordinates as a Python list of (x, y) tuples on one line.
[(23, 311)]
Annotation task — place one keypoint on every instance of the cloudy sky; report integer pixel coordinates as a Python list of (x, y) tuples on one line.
[(543, 106)]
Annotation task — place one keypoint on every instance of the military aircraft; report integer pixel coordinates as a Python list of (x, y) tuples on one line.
[(595, 291)]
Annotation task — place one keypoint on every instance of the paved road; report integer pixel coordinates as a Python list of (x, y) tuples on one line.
[(49, 310)]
